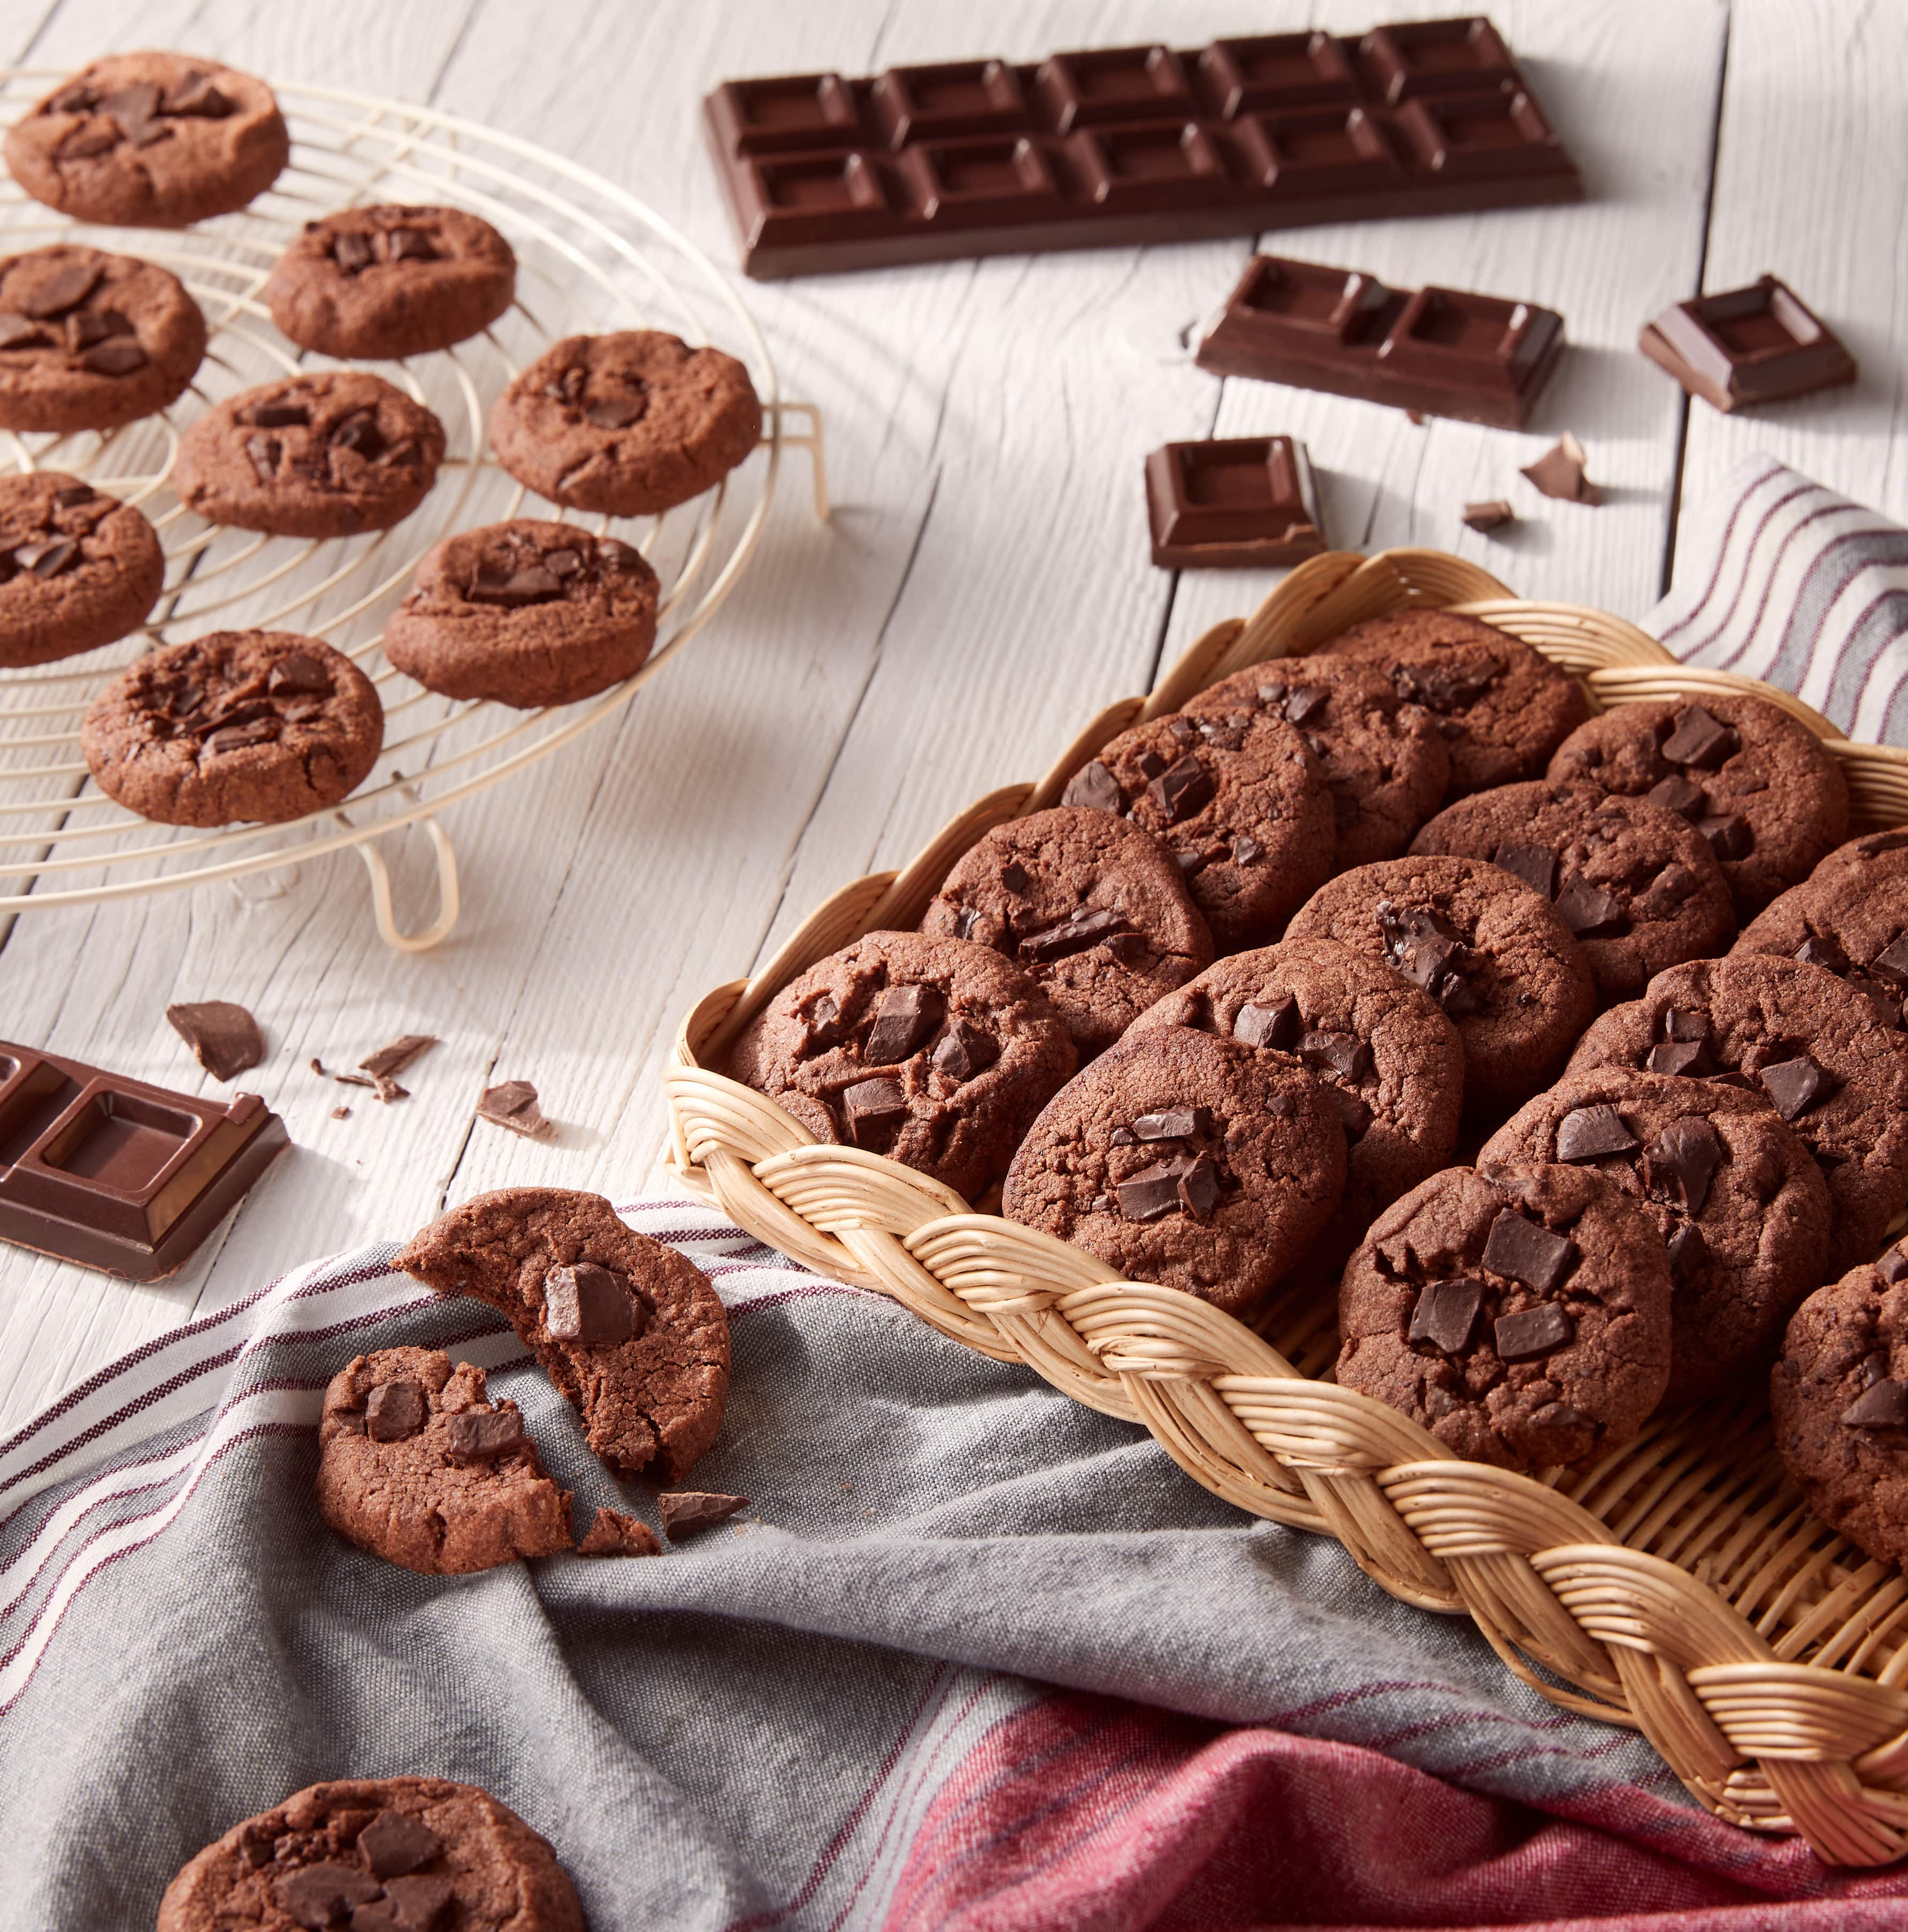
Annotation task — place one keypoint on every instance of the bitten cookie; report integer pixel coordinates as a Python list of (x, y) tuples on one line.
[(1095, 912), (1184, 1159), (1385, 760), (380, 1855), (1839, 1396), (89, 341), (630, 424), (629, 1330), (1753, 781), (326, 455), (1808, 1042), (387, 281), (1487, 947), (150, 140), (1247, 815), (419, 1465), (1637, 883), (1504, 707), (526, 614), (1521, 1315), (77, 568), (1738, 1200)]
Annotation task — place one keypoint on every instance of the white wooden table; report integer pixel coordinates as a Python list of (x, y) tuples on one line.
[(984, 585)]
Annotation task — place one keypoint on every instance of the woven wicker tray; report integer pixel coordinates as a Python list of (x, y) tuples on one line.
[(1680, 1586)]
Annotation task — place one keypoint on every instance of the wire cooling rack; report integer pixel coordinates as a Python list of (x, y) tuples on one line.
[(590, 258)]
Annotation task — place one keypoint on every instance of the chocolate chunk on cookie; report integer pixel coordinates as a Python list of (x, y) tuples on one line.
[(1521, 1315), (326, 455), (89, 341), (1810, 1044), (1637, 883), (936, 1052), (1093, 909), (77, 567), (1486, 947), (629, 1330), (150, 140), (387, 281), (526, 614), (1502, 706), (630, 424), (259, 725), (1738, 1201), (377, 1855), (1185, 1160)]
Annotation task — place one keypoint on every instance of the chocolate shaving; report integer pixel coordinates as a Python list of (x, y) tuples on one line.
[(398, 1055)]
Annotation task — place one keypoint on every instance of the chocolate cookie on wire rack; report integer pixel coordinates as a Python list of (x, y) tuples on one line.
[(77, 567)]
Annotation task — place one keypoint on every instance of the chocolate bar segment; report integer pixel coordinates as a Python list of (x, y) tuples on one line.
[(1241, 501), (1441, 352), (1747, 346), (1116, 146)]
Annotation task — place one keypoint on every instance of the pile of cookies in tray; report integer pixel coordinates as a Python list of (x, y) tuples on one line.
[(1566, 1050), (267, 726)]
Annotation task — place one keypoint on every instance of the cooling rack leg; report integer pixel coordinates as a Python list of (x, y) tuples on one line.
[(811, 441), (439, 928)]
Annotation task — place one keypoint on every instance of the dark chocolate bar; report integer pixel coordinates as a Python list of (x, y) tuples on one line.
[(1439, 351), (117, 1175), (1127, 145), (1746, 346), (1245, 500)]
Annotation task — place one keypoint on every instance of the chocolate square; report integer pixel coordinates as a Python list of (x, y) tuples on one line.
[(1238, 502), (1746, 346)]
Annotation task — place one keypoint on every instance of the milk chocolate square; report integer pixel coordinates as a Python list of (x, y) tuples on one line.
[(1239, 502)]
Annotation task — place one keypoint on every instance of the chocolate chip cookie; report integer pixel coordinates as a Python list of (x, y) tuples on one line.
[(1739, 1204), (1183, 1159), (150, 140), (936, 1052), (1522, 1316), (89, 341), (77, 567), (1637, 883), (419, 1465), (387, 281), (629, 1330), (1807, 1042), (526, 614), (1753, 781), (1486, 947), (1502, 706), (326, 455), (1094, 911), (380, 1855), (630, 424), (1245, 811), (1839, 1396), (258, 725)]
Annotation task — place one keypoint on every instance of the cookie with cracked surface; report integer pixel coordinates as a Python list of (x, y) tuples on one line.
[(631, 424), (90, 341), (1488, 948), (1503, 707), (1637, 884), (526, 614), (1756, 782), (1247, 815), (630, 1332), (1808, 1042), (238, 725), (1386, 762), (323, 455), (380, 1855), (419, 1465), (1094, 911), (1521, 1315), (936, 1052), (387, 281), (150, 140), (1740, 1205), (1185, 1160), (77, 567)]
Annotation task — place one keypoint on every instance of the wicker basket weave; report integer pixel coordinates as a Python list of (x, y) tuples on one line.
[(1680, 1586)]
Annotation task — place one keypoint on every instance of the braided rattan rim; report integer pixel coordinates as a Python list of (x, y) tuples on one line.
[(1554, 1576)]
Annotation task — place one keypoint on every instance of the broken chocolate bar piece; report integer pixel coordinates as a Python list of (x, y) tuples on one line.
[(513, 1105), (1559, 472), (224, 1038), (1742, 346), (1488, 517), (1238, 503), (687, 1511)]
